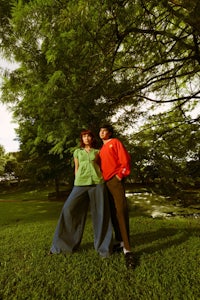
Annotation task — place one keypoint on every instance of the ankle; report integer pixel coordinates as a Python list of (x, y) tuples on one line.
[(125, 250)]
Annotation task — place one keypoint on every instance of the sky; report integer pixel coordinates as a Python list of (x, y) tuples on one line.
[(7, 126), (7, 130)]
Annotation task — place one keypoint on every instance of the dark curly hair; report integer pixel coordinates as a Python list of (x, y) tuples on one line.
[(109, 128), (89, 132)]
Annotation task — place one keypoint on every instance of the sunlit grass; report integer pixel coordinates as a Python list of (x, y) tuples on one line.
[(167, 253)]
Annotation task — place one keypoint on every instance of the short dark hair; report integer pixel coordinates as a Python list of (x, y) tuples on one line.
[(108, 127), (89, 132)]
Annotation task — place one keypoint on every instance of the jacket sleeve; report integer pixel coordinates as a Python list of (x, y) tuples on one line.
[(124, 160)]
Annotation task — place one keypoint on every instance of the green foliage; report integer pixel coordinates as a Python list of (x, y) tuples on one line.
[(8, 164), (73, 55), (166, 147), (167, 253), (81, 62), (2, 160)]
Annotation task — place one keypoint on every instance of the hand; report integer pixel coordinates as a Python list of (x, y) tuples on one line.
[(118, 177)]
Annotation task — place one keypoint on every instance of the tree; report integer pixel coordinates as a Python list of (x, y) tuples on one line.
[(11, 166), (8, 165), (83, 61), (91, 54), (172, 146), (42, 169), (2, 160)]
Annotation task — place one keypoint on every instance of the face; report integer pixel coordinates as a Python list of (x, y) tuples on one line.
[(87, 139), (104, 134)]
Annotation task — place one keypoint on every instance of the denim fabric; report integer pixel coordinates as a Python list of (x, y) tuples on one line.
[(70, 227)]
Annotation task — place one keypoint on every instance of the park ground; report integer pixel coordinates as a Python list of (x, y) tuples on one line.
[(166, 247)]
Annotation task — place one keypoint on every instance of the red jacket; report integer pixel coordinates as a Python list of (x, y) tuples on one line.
[(115, 159)]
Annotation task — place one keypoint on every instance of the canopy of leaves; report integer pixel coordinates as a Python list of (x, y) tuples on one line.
[(83, 61), (167, 151)]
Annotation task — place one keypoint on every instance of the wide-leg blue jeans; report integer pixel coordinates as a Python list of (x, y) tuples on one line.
[(70, 227)]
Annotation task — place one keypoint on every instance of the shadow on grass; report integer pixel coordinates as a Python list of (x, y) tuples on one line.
[(29, 212), (161, 239), (152, 242), (85, 247)]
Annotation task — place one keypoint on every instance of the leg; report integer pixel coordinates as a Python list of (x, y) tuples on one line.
[(116, 188), (113, 213), (102, 225), (69, 230)]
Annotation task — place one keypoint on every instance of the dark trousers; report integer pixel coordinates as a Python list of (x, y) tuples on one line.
[(119, 210)]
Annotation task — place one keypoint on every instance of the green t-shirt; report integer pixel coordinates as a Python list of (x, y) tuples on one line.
[(88, 170)]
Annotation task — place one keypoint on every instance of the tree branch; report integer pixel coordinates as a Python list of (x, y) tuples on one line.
[(185, 99)]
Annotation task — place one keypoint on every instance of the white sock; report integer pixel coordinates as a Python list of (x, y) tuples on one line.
[(126, 251), (121, 244)]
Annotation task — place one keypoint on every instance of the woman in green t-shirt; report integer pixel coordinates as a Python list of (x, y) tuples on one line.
[(88, 189)]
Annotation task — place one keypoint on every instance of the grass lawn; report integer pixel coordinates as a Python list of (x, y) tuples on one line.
[(167, 252)]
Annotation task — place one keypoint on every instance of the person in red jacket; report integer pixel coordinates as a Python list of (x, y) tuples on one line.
[(115, 166)]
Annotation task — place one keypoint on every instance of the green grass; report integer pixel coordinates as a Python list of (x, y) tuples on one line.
[(167, 252), (25, 194)]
